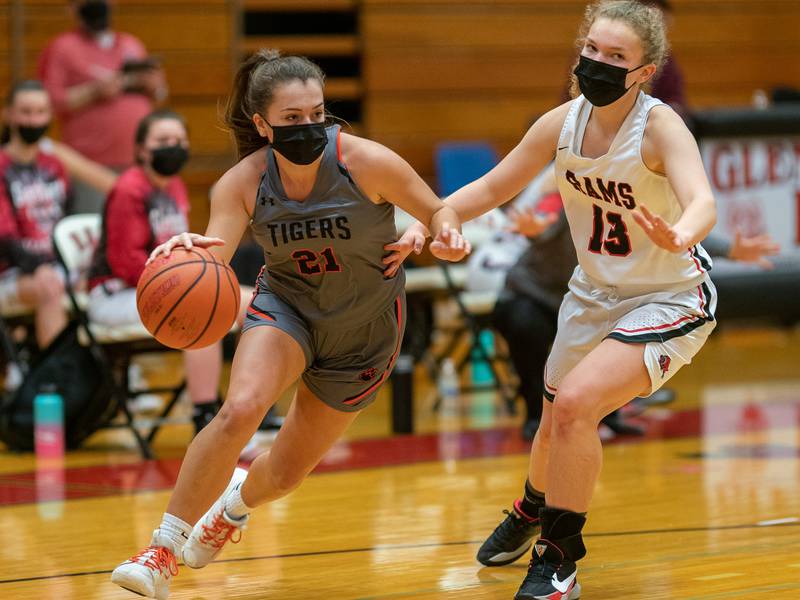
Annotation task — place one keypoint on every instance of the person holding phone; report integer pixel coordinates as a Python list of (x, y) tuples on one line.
[(102, 84)]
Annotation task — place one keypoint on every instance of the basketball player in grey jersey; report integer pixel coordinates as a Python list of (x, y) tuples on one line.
[(321, 204), (323, 279)]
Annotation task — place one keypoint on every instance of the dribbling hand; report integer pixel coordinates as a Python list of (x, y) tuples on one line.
[(412, 240), (450, 245), (187, 240), (658, 230)]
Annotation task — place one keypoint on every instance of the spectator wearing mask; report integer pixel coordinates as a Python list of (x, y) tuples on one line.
[(147, 206), (34, 194), (102, 84)]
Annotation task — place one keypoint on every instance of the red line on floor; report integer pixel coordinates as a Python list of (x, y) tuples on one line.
[(155, 475)]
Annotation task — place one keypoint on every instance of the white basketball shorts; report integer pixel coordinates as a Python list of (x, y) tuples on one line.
[(673, 326)]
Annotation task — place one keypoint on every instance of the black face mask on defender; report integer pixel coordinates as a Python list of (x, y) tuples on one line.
[(300, 144), (602, 83)]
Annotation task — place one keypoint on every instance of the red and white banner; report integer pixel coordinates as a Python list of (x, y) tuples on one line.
[(756, 182)]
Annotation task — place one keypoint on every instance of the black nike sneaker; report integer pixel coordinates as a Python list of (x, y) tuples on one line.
[(510, 540), (552, 572), (551, 576)]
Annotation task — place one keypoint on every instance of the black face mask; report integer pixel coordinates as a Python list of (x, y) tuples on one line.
[(300, 144), (95, 15), (168, 160), (30, 135), (601, 83)]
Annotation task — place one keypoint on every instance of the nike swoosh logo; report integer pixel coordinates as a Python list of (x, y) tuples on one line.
[(563, 148), (563, 586)]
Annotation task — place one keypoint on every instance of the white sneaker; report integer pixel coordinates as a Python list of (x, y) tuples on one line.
[(214, 529), (148, 573)]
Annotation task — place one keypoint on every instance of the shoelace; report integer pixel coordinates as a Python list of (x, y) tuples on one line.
[(157, 558), (219, 532), (542, 569), (511, 525)]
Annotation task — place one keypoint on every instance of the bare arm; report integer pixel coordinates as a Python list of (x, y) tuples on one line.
[(386, 177), (515, 171), (229, 217), (96, 175), (670, 148), (228, 220)]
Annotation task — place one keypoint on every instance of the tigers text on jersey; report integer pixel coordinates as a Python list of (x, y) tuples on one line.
[(599, 195), (324, 254)]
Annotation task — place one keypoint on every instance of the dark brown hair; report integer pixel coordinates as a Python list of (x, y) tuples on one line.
[(29, 85), (253, 89), (143, 128)]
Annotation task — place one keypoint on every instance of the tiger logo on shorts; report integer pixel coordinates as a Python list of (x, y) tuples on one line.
[(368, 375)]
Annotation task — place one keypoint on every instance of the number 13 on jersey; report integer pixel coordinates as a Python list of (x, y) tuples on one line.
[(617, 242)]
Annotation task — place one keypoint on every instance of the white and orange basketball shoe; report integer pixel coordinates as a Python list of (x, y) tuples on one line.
[(148, 573), (214, 529)]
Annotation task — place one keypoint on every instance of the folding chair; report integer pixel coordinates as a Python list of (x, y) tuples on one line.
[(457, 164), (74, 240), (475, 310)]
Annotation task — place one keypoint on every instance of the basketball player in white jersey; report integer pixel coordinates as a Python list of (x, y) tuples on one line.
[(640, 304)]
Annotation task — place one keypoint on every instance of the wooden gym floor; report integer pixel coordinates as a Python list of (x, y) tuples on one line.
[(706, 506)]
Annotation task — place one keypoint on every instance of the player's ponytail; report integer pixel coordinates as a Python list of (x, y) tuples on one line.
[(253, 89)]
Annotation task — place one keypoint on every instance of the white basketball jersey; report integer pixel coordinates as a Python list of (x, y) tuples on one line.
[(599, 195)]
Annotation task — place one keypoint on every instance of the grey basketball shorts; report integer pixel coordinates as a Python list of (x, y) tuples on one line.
[(672, 325), (345, 367)]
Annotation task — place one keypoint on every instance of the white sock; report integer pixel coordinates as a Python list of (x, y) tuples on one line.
[(175, 529), (235, 507)]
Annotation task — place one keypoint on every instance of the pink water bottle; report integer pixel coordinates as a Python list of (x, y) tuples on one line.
[(48, 424)]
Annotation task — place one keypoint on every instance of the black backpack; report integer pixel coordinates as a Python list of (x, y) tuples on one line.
[(79, 377)]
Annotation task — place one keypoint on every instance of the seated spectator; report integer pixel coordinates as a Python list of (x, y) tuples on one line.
[(147, 206), (102, 84), (33, 198)]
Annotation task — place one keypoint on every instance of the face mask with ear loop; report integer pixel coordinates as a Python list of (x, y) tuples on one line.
[(300, 144), (602, 83)]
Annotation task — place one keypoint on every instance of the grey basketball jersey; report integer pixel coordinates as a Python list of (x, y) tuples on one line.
[(323, 255)]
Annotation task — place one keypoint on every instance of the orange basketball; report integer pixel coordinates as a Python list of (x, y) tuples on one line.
[(188, 299)]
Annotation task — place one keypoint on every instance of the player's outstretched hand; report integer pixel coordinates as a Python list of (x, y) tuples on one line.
[(530, 223), (450, 245), (754, 249), (413, 240), (187, 240), (658, 230)]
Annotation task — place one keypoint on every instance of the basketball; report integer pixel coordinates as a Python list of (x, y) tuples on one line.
[(188, 299)]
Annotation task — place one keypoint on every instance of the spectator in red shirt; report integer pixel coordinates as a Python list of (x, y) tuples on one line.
[(34, 191), (147, 206), (102, 84)]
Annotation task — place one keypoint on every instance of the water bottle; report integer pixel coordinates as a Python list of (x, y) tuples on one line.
[(449, 388), (48, 424), (481, 370)]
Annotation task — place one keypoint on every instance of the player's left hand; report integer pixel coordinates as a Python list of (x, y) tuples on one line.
[(413, 240), (658, 230), (449, 244)]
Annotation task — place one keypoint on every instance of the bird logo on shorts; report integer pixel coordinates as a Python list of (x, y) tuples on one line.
[(369, 374), (663, 363)]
